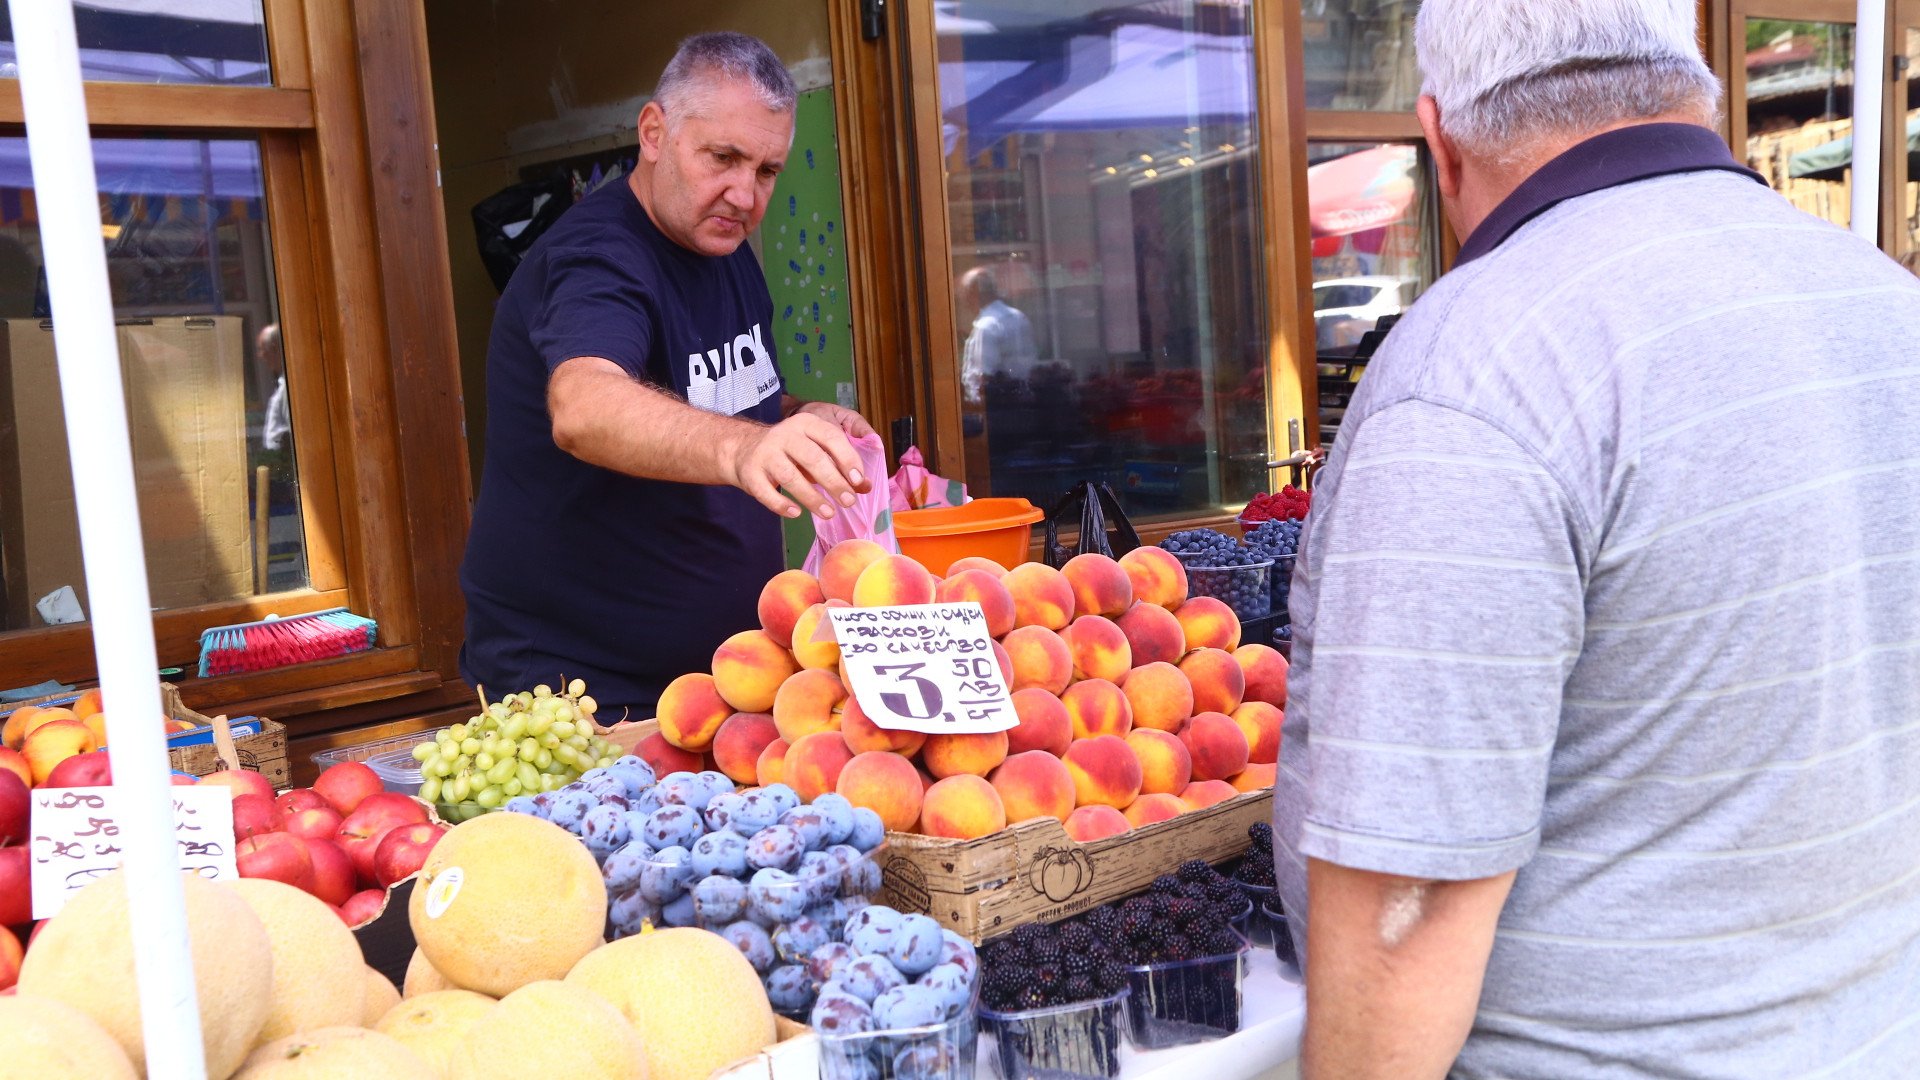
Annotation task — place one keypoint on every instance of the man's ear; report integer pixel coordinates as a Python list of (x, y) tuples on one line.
[(652, 131), (1446, 156)]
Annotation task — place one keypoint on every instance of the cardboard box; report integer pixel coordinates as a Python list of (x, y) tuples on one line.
[(794, 1055), (1033, 872), (186, 402), (264, 752)]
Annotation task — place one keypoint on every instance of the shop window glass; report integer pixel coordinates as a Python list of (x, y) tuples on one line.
[(1799, 106), (1359, 54), (213, 42), (1910, 190), (1106, 236), (191, 267)]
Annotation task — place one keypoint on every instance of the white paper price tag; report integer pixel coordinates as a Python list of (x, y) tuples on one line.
[(76, 838), (926, 667)]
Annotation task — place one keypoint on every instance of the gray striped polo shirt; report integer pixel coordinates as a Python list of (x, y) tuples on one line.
[(1614, 578)]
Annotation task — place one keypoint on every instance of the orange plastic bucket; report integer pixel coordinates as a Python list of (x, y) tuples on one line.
[(996, 529)]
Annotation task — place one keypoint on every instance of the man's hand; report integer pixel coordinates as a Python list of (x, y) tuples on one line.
[(846, 420), (1394, 968), (803, 450)]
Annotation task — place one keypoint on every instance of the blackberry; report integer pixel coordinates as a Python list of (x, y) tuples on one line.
[(1027, 936), (1079, 988), (1137, 907), (1049, 976), (997, 953), (1102, 921), (1111, 977), (1179, 947), (1077, 937), (1081, 963), (1195, 870), (1261, 833), (1166, 883), (1032, 997), (1134, 924), (1222, 891), (1219, 942), (1185, 911)]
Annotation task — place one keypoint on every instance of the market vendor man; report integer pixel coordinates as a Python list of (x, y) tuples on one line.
[(640, 446)]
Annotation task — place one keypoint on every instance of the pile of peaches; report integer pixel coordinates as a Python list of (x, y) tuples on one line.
[(1135, 702), (36, 739)]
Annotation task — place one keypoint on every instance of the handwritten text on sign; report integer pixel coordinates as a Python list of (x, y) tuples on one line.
[(76, 838), (928, 667)]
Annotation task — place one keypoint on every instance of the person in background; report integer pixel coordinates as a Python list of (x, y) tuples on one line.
[(640, 447), (1603, 753), (1000, 342), (277, 424)]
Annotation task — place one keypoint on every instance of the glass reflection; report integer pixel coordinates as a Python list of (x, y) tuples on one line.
[(1800, 112), (1359, 54), (215, 42)]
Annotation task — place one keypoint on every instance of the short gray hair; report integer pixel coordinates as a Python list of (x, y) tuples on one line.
[(1506, 72), (729, 57)]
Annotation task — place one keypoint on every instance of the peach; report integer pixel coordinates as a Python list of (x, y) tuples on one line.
[(1204, 793), (1158, 576), (737, 746), (1104, 771), (982, 588), (864, 736), (1097, 707), (37, 717), (1208, 623), (976, 562), (1040, 658), (1042, 596), (1160, 695), (665, 757), (886, 784), (691, 710), (50, 743), (1165, 765), (88, 704), (891, 581), (13, 732), (1100, 585), (807, 703), (962, 807), (783, 599), (1044, 723), (1255, 778), (952, 755), (1099, 649), (1148, 809), (771, 767), (814, 762), (1005, 659), (1217, 681), (1153, 634), (1219, 749), (809, 653), (1266, 672), (1260, 723), (843, 564), (1090, 823), (97, 723), (1034, 784), (748, 669)]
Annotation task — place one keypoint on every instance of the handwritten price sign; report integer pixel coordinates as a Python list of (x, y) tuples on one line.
[(76, 838), (928, 667)]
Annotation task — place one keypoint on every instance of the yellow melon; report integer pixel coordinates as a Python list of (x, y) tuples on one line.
[(505, 900), (334, 1053), (84, 957), (422, 977), (434, 1025), (380, 996), (695, 1001), (44, 1039), (601, 1044), (319, 975)]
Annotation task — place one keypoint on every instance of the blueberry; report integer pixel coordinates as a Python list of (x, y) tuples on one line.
[(665, 877), (908, 1007), (827, 960), (753, 943), (720, 853), (624, 867), (797, 940), (916, 946), (720, 811), (837, 814), (757, 810), (627, 911), (604, 828), (775, 896), (569, 806), (867, 977), (719, 900), (783, 796), (952, 985), (789, 989), (869, 831), (870, 929), (672, 826), (841, 1014), (811, 827), (776, 846), (680, 911)]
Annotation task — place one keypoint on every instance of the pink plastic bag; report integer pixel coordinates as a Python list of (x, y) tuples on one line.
[(914, 488), (871, 515)]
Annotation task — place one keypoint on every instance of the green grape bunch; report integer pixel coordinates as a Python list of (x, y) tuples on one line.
[(523, 744)]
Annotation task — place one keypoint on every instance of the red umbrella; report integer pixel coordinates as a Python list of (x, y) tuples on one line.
[(1361, 192)]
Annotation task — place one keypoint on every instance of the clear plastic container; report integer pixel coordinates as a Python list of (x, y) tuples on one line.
[(1279, 934), (1064, 1042), (934, 1052), (1245, 588), (1281, 583), (1185, 1001), (390, 758), (1254, 927), (1243, 922)]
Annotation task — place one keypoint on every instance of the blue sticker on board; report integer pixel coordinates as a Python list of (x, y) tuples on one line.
[(806, 363), (809, 157), (816, 311), (829, 226), (793, 206), (823, 269), (800, 339), (822, 343), (803, 236), (794, 265), (788, 314)]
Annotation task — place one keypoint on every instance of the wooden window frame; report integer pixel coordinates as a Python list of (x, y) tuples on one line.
[(359, 254)]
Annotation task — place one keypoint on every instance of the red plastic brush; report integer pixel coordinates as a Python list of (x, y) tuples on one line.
[(275, 642)]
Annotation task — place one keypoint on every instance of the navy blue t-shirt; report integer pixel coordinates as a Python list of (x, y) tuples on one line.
[(573, 570)]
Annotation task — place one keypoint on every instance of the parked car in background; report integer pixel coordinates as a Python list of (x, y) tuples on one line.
[(1344, 309)]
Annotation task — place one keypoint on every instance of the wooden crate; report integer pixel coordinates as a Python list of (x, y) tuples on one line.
[(1033, 872), (264, 753)]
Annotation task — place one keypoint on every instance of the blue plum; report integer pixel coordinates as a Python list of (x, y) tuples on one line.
[(753, 943)]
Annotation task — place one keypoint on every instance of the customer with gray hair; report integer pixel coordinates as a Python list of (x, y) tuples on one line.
[(639, 439), (1603, 750)]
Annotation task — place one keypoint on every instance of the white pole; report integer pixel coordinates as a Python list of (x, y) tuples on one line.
[(68, 206), (1869, 100)]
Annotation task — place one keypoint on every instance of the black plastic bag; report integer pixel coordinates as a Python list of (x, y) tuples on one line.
[(1104, 527), (507, 223)]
